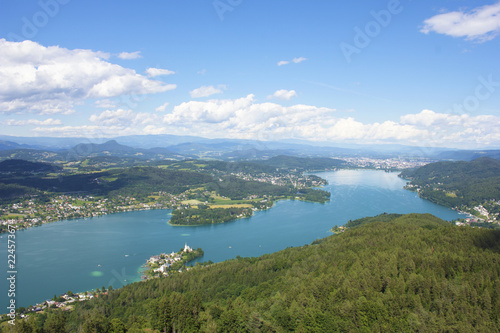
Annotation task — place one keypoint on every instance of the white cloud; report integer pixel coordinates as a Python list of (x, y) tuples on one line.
[(123, 118), (242, 118), (424, 118), (459, 131), (152, 72), (480, 24), (105, 104), (299, 59), (49, 80), (294, 60), (36, 122), (162, 107), (130, 55), (110, 123), (283, 94), (205, 91), (246, 118), (84, 131)]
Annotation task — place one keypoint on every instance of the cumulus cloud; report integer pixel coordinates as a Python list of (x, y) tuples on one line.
[(205, 91), (84, 131), (428, 118), (123, 118), (294, 60), (480, 24), (105, 104), (36, 122), (152, 72), (110, 123), (246, 118), (299, 59), (162, 107), (48, 80), (283, 94), (130, 55), (456, 130)]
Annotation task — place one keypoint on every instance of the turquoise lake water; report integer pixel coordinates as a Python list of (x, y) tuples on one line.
[(85, 254)]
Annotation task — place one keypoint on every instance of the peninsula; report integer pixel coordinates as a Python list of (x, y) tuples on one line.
[(166, 264)]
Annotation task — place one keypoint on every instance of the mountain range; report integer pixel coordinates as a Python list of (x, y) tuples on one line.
[(182, 147)]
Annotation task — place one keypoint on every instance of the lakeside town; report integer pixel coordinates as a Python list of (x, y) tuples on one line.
[(155, 267), (393, 164), (64, 302), (479, 215)]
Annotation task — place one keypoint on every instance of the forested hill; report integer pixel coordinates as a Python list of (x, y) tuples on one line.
[(458, 183), (410, 273), (303, 163), (15, 166)]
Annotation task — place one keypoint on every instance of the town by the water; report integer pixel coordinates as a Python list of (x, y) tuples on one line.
[(161, 265)]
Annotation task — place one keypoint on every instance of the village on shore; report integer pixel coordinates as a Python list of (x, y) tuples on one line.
[(155, 267), (166, 264), (64, 302)]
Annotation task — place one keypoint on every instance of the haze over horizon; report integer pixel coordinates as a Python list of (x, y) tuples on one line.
[(398, 72)]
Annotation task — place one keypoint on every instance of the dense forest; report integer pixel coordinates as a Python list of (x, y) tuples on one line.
[(109, 177), (237, 189), (458, 183), (303, 163), (128, 181), (392, 273), (192, 216), (20, 167)]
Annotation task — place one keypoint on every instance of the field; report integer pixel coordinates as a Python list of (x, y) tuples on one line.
[(231, 205), (191, 202)]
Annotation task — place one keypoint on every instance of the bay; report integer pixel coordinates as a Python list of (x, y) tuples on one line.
[(85, 254)]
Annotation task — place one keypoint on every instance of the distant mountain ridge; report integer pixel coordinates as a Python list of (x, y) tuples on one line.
[(108, 148), (467, 155), (179, 147), (293, 162)]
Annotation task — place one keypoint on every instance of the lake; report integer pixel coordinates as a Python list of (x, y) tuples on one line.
[(85, 254)]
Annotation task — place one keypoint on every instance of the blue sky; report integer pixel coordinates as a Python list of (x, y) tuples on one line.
[(412, 72)]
